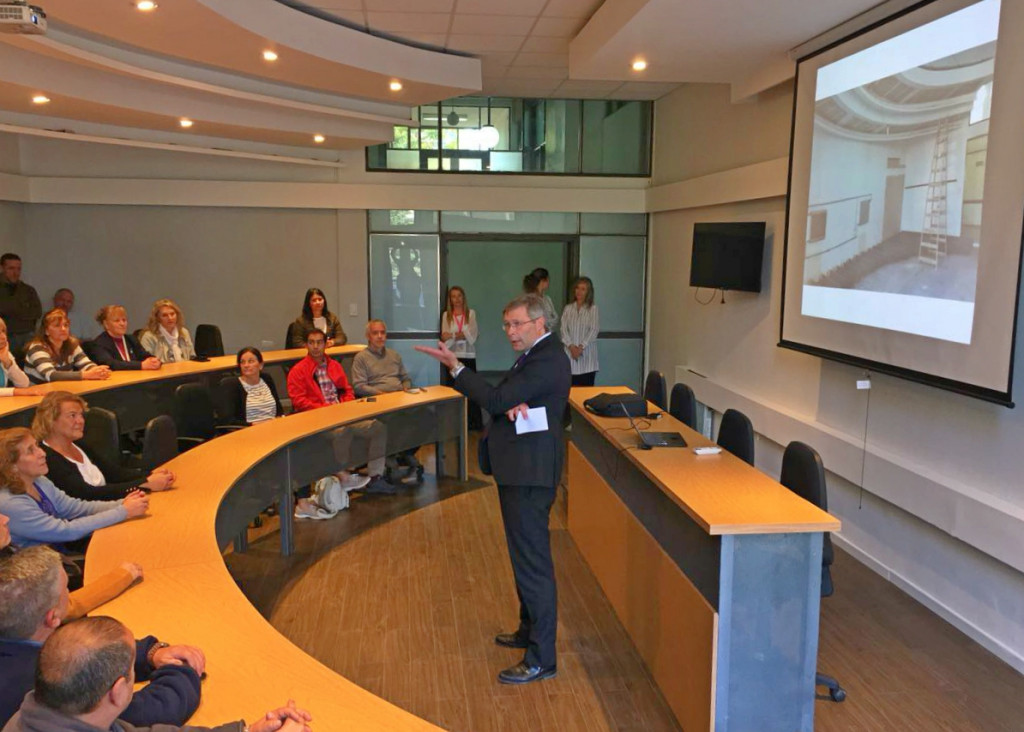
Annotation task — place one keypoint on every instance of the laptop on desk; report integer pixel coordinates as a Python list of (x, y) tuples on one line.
[(650, 440)]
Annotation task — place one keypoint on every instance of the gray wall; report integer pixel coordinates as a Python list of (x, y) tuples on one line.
[(245, 270), (954, 451)]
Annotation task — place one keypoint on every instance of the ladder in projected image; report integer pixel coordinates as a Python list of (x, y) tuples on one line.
[(933, 233)]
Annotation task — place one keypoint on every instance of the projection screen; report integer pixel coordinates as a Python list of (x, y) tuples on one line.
[(906, 197)]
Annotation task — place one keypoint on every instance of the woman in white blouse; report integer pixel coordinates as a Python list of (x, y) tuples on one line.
[(166, 336), (13, 381), (580, 327), (459, 332)]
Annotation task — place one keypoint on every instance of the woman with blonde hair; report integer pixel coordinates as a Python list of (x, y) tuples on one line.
[(116, 347), (459, 331), (13, 381), (39, 511), (58, 424), (55, 355), (166, 336)]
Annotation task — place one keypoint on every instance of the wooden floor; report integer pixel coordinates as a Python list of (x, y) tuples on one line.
[(404, 594)]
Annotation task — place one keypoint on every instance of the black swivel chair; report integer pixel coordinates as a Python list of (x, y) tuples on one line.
[(102, 435), (736, 434), (208, 341), (804, 474), (195, 416), (683, 405), (655, 389), (159, 442), (289, 335)]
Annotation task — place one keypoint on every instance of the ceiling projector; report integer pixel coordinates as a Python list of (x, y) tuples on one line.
[(20, 17)]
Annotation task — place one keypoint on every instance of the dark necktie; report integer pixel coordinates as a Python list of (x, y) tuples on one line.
[(519, 361)]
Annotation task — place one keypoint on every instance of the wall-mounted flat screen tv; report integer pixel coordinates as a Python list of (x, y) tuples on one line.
[(727, 256)]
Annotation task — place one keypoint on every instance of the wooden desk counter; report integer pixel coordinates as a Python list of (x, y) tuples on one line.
[(188, 596), (713, 568), (720, 492), (11, 408)]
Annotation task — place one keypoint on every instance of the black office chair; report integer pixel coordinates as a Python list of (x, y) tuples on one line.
[(736, 434), (159, 442), (683, 405), (195, 416), (208, 341), (655, 389), (89, 347), (804, 474), (290, 334), (102, 435)]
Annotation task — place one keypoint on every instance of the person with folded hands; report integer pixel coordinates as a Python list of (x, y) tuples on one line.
[(59, 424), (55, 355), (116, 347), (40, 512), (166, 336)]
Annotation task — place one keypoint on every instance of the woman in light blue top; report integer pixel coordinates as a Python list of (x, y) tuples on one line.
[(41, 513)]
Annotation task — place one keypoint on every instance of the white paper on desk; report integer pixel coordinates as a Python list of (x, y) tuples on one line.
[(536, 420)]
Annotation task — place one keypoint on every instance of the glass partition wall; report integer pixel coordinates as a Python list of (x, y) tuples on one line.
[(416, 255), (535, 136)]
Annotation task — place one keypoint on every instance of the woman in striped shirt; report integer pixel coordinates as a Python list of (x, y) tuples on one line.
[(252, 396), (55, 355), (579, 333)]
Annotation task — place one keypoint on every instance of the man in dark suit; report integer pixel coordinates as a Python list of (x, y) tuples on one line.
[(527, 468)]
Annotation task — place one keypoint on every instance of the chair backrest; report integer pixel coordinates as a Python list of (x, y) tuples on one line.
[(655, 389), (222, 397), (193, 411), (102, 434), (89, 347), (292, 327), (159, 442), (803, 472), (736, 434), (208, 341), (683, 405)]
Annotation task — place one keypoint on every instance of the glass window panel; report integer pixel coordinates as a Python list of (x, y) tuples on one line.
[(423, 370), (561, 136), (621, 362), (509, 222), (616, 137), (507, 161), (616, 266), (428, 138), (613, 223), (404, 281), (403, 159), (388, 219)]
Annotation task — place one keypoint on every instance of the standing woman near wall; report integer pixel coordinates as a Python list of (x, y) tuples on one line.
[(166, 336), (580, 327), (459, 332)]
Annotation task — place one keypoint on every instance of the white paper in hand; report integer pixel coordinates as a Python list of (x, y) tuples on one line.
[(536, 420)]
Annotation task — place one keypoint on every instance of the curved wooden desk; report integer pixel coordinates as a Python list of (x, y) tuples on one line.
[(713, 568), (138, 396), (188, 596)]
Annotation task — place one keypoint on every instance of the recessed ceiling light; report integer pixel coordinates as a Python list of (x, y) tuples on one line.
[(395, 85), (185, 122), (145, 5), (639, 65), (318, 139), (269, 55), (40, 99)]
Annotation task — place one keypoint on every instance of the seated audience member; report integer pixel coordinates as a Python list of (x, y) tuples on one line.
[(116, 347), (64, 299), (55, 355), (98, 592), (379, 370), (58, 424), (84, 682), (13, 381), (253, 396), (33, 604), (19, 302), (39, 511), (317, 381), (316, 315), (166, 336)]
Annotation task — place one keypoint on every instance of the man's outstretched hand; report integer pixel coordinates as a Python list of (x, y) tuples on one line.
[(441, 353)]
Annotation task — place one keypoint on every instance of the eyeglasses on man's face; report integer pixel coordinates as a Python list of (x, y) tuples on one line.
[(510, 325)]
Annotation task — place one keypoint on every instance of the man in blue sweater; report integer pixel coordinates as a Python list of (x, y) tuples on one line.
[(33, 602)]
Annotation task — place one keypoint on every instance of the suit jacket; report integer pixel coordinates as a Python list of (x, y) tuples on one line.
[(103, 351), (542, 379)]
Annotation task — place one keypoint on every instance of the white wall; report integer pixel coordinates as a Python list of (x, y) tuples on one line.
[(937, 466), (245, 270)]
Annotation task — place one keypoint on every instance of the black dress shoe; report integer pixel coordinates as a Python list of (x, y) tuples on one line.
[(511, 640), (523, 674)]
